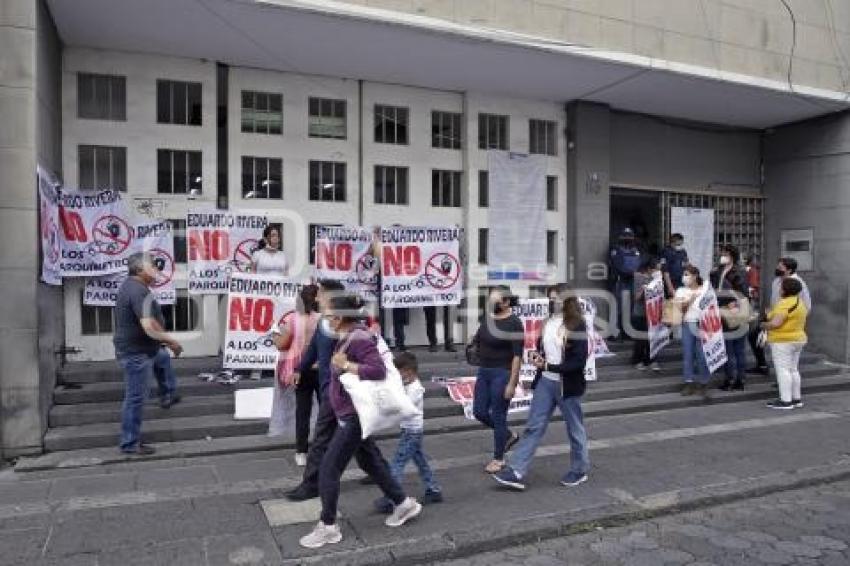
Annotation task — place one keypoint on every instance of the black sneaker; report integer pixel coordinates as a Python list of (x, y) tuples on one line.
[(738, 385), (450, 348), (302, 493), (780, 404), (763, 370), (688, 389), (140, 450), (433, 348), (169, 401), (431, 496), (508, 478), (726, 386)]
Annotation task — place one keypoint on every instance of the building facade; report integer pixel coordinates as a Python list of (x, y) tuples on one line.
[(373, 113)]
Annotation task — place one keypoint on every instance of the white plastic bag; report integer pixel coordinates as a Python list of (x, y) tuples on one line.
[(379, 404)]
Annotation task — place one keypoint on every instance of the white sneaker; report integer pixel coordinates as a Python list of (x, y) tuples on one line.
[(322, 534), (300, 459), (655, 366), (405, 511)]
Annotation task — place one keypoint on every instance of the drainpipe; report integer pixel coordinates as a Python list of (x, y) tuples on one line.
[(360, 202)]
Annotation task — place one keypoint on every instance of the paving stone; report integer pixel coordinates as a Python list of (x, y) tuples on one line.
[(731, 542), (798, 549), (754, 536), (187, 552), (824, 543), (770, 556), (84, 486), (252, 549)]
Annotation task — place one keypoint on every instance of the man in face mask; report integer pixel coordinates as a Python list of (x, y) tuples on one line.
[(674, 259), (787, 267)]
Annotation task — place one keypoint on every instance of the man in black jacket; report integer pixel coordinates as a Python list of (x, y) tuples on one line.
[(560, 359)]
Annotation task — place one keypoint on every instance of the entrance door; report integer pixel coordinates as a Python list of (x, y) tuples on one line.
[(640, 211)]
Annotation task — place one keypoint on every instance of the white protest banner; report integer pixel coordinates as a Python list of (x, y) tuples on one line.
[(51, 239), (97, 233), (345, 254), (420, 266), (462, 391), (154, 238), (711, 329), (255, 306), (220, 242), (597, 348), (697, 226), (659, 334), (533, 314)]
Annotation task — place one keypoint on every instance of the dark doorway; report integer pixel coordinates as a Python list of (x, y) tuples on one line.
[(640, 211)]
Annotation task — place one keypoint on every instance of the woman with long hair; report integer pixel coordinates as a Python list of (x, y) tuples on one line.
[(269, 258), (786, 334), (560, 359), (499, 341), (355, 352), (686, 297), (292, 337)]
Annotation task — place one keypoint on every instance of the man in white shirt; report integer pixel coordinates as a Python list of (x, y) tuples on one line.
[(787, 267)]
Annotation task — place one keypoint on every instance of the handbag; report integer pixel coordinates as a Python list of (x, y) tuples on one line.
[(379, 404), (740, 315), (672, 314), (473, 356)]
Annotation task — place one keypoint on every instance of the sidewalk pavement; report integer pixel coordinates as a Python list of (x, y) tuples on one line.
[(211, 511)]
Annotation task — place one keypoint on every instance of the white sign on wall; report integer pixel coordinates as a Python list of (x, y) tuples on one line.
[(697, 226)]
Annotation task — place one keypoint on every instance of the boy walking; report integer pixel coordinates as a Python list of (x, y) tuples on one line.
[(410, 442)]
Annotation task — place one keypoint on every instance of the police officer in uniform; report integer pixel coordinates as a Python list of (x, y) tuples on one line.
[(625, 258), (674, 259)]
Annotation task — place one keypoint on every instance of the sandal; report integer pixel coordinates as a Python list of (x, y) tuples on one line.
[(494, 467)]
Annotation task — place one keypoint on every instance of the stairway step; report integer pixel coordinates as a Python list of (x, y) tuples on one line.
[(257, 441), (637, 399)]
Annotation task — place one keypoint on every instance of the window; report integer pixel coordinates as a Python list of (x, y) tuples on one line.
[(483, 234), (551, 192), (327, 181), (483, 189), (391, 124), (178, 229), (178, 172), (390, 185), (492, 131), (95, 320), (445, 188), (542, 137), (102, 167), (327, 118), (262, 178), (311, 239), (262, 112), (445, 130), (101, 97), (178, 102), (551, 247), (184, 315)]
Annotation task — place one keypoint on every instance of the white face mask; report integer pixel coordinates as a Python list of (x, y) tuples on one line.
[(725, 260), (678, 247), (687, 280)]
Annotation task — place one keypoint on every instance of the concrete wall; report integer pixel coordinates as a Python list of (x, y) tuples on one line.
[(20, 421), (751, 37), (51, 322), (652, 152), (808, 186)]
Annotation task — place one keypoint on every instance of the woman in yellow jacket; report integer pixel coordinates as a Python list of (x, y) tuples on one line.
[(786, 334)]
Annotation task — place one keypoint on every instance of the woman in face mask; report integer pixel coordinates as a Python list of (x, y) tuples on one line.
[(686, 296), (730, 281), (649, 272), (499, 339)]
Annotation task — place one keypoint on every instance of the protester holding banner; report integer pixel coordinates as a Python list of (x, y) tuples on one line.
[(648, 272), (786, 334), (292, 336), (268, 258), (356, 352), (687, 297), (138, 340), (499, 341), (560, 358), (731, 281)]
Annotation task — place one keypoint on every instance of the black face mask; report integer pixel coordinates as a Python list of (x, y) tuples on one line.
[(497, 308), (779, 273)]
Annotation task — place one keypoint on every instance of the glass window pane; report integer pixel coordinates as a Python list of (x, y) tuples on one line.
[(102, 168), (163, 171), (327, 107), (379, 184), (315, 180), (314, 107), (435, 188), (401, 132), (194, 103), (276, 178), (276, 103), (339, 182), (339, 109), (119, 168), (86, 167), (247, 99), (380, 125), (483, 189), (178, 103), (119, 98), (247, 175), (163, 102), (180, 172), (456, 189), (195, 179)]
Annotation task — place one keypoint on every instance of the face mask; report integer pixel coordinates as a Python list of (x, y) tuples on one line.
[(678, 247), (725, 260), (687, 279), (779, 273)]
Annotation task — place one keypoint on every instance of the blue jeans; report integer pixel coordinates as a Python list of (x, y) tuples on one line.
[(490, 407), (138, 369), (692, 348), (410, 448), (547, 396), (736, 362), (164, 373)]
